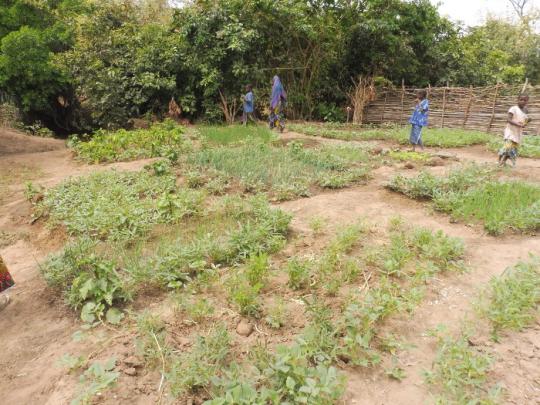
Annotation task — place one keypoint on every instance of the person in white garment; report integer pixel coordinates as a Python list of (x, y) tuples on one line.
[(513, 133)]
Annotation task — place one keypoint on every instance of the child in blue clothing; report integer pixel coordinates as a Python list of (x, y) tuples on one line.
[(419, 119), (249, 102)]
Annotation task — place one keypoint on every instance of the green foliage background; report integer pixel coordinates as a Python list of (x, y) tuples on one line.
[(81, 64)]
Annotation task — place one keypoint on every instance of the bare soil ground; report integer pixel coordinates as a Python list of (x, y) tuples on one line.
[(37, 328)]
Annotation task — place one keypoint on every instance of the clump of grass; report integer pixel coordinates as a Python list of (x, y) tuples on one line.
[(285, 172), (448, 137), (224, 135), (317, 225), (512, 300), (195, 370), (276, 314), (530, 146), (470, 193), (196, 308), (299, 272), (334, 268), (151, 340), (163, 139), (460, 373), (428, 186), (244, 286), (499, 205), (438, 137)]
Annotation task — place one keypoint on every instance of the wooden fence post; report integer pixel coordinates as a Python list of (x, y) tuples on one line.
[(384, 106), (402, 101), (493, 107), (468, 109), (443, 107)]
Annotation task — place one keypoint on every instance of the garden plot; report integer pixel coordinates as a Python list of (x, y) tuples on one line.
[(474, 194), (285, 172), (192, 286), (435, 137)]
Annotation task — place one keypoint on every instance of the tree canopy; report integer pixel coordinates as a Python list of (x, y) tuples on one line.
[(81, 64)]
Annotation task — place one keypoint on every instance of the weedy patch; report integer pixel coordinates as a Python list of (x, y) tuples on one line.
[(460, 373), (286, 377), (246, 283), (164, 139), (196, 369), (151, 343), (277, 314), (511, 300), (234, 230), (134, 202), (14, 174), (96, 379), (403, 156), (471, 194), (90, 282)]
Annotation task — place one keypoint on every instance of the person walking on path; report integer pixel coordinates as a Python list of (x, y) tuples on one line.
[(277, 103), (6, 281), (419, 119), (517, 120), (249, 105)]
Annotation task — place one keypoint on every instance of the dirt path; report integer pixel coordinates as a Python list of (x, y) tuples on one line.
[(37, 330)]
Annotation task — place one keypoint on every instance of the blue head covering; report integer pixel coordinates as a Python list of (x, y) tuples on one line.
[(278, 92)]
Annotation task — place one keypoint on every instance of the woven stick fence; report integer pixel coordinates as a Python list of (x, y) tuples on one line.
[(478, 108)]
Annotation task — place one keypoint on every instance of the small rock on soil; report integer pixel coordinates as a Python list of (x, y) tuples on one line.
[(244, 328)]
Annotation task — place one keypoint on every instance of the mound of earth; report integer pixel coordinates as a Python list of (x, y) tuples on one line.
[(12, 142)]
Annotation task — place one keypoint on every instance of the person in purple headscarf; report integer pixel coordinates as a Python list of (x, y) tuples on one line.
[(277, 102)]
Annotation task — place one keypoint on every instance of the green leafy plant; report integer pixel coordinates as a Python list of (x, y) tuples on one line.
[(72, 363), (195, 370), (277, 314), (107, 146), (317, 225), (299, 272), (90, 282), (172, 207), (460, 373), (151, 340), (98, 377), (197, 309), (244, 295)]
